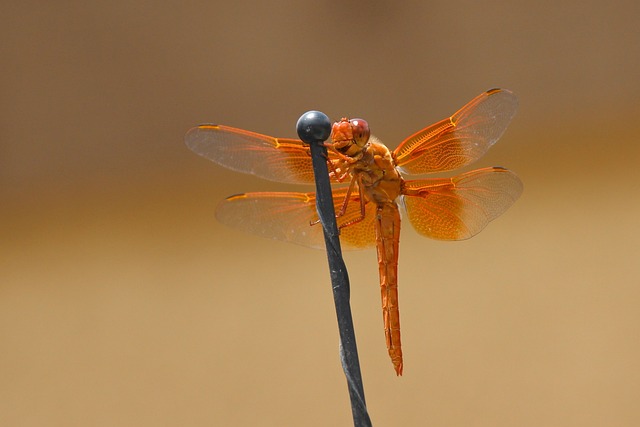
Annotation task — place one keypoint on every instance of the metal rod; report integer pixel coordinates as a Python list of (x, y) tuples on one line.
[(314, 128)]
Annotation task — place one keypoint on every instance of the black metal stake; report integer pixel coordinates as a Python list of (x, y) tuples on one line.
[(314, 128)]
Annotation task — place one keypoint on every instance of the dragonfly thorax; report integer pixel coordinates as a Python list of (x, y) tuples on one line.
[(377, 174)]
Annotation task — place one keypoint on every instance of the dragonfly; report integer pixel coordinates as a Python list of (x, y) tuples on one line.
[(373, 186)]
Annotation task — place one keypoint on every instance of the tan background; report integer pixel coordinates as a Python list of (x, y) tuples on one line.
[(123, 302)]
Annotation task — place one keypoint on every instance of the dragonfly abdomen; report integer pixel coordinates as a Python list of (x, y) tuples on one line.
[(387, 240)]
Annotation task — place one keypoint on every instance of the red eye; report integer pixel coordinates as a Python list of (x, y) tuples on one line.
[(360, 129)]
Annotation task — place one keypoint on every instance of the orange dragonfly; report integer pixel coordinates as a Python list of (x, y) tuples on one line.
[(367, 208)]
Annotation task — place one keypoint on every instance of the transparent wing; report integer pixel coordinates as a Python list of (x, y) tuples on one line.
[(287, 217), (462, 138), (460, 207), (275, 159)]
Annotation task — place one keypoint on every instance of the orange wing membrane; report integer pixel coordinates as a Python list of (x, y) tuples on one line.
[(367, 209), (461, 139), (460, 207), (288, 217), (275, 159)]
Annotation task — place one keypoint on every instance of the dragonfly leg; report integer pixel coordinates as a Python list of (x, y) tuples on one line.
[(337, 173), (346, 202)]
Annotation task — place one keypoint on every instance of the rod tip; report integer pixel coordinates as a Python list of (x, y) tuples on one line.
[(313, 126)]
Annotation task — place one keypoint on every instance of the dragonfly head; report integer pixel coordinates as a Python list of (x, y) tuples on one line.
[(350, 136)]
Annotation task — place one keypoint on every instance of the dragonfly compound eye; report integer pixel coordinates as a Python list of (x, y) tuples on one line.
[(360, 130)]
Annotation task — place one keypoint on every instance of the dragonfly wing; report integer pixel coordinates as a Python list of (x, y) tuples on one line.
[(462, 138), (460, 207), (275, 159), (288, 217)]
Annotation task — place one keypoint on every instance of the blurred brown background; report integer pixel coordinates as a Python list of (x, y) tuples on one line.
[(123, 302)]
